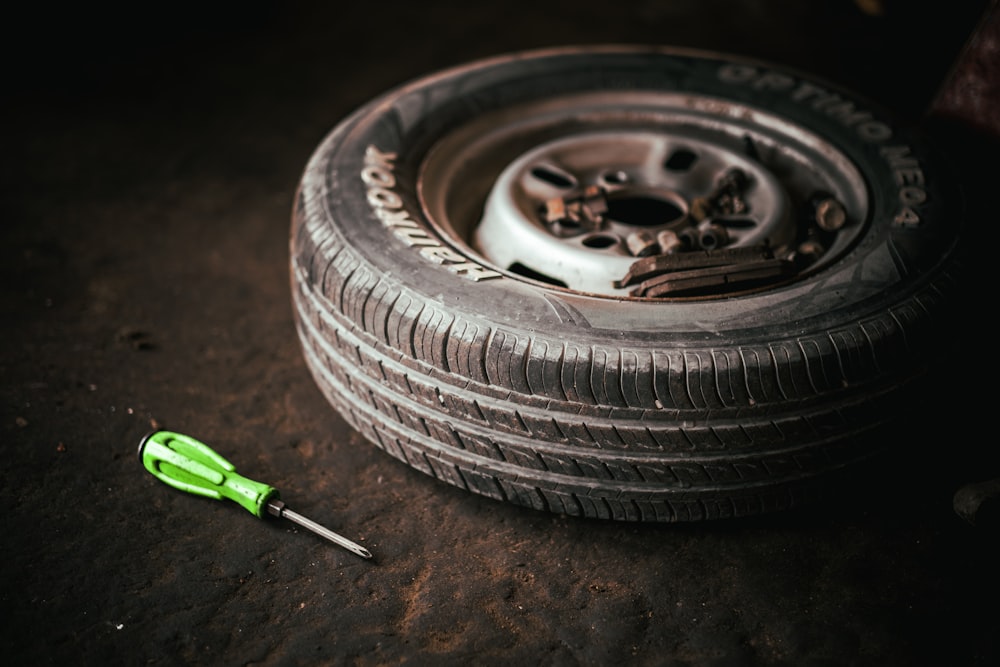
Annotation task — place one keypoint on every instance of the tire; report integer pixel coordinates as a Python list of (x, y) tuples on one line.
[(513, 383)]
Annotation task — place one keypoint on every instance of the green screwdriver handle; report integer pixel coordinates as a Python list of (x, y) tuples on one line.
[(190, 465)]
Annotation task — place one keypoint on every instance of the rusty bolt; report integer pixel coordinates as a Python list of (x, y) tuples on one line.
[(669, 242), (712, 236), (641, 244), (689, 238), (830, 215), (809, 251), (701, 208), (735, 179)]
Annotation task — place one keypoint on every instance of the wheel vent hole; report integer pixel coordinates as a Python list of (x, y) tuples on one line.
[(600, 241), (552, 177), (616, 178), (681, 160)]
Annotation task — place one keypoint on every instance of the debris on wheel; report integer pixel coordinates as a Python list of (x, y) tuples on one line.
[(620, 282)]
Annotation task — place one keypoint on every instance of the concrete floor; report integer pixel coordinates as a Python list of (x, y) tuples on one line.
[(147, 178)]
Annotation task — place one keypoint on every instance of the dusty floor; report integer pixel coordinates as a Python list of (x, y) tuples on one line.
[(147, 178)]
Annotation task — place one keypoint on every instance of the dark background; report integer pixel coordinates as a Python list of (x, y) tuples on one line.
[(149, 162)]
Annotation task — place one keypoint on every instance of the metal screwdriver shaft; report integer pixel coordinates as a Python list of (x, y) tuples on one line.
[(192, 466), (278, 508)]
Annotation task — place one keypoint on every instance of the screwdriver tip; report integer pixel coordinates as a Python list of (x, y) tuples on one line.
[(279, 509)]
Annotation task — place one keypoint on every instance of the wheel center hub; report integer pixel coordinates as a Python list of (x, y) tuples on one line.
[(579, 210)]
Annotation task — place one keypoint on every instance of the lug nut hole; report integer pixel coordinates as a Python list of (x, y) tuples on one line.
[(681, 160), (600, 241)]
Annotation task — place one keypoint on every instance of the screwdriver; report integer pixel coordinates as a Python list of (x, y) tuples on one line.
[(190, 465)]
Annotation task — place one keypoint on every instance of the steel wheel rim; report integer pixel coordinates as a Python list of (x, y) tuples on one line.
[(482, 185)]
